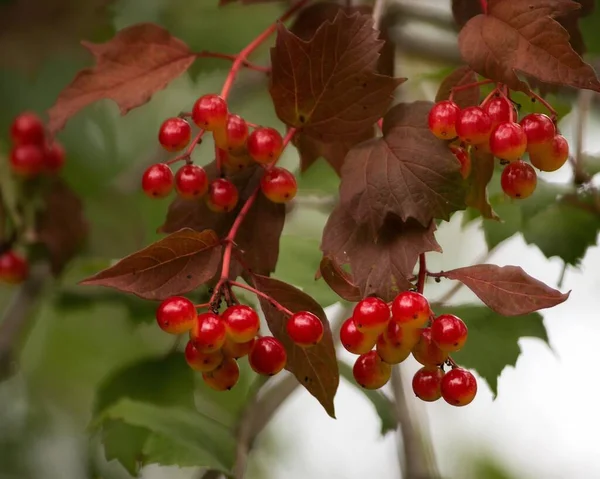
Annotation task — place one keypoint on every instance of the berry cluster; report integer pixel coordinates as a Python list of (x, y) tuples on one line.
[(236, 147), (218, 340), (397, 331), (492, 127)]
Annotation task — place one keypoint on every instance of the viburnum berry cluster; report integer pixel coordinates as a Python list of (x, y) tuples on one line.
[(493, 127), (385, 334)]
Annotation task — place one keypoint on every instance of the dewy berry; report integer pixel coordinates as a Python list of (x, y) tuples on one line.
[(442, 119), (370, 371), (552, 156), (427, 352), (241, 323), (54, 157), (458, 387), (222, 196), (474, 126), (278, 185), (208, 333), (210, 112), (157, 181), (268, 356), (355, 341), (176, 315), (27, 129), (191, 182), (174, 134), (234, 350), (463, 158), (449, 332), (224, 377), (411, 309), (499, 110), (427, 383), (371, 315), (508, 141), (234, 135), (539, 130), (305, 329), (27, 160), (200, 361), (518, 180), (265, 145), (14, 268)]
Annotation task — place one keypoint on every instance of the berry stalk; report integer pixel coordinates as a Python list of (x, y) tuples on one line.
[(422, 273), (186, 155), (466, 87), (484, 6), (551, 110), (233, 58), (281, 308)]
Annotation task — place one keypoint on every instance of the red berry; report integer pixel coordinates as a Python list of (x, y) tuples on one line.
[(427, 384), (539, 130), (400, 336), (370, 371), (371, 315), (14, 268), (234, 135), (449, 332), (222, 196), (442, 119), (176, 315), (391, 353), (355, 341), (208, 333), (210, 112), (191, 182), (305, 329), (200, 361), (474, 125), (518, 180), (224, 377), (157, 181), (459, 387), (278, 185), (499, 110), (267, 356), (241, 322), (54, 157), (265, 145), (427, 352), (27, 160), (27, 129), (551, 156), (508, 141), (463, 158), (174, 134), (411, 309), (232, 162), (235, 350)]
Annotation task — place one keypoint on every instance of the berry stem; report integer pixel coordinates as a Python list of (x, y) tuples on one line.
[(484, 6), (189, 150), (253, 45), (233, 58), (451, 362), (467, 86), (489, 97), (281, 308), (202, 306), (422, 273), (537, 97)]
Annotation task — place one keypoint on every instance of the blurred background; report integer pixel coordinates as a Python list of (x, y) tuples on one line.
[(80, 347)]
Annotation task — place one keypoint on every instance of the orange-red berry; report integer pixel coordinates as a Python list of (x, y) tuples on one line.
[(176, 315), (157, 181), (508, 141), (518, 180), (224, 377), (458, 387), (539, 130), (551, 156), (442, 119), (411, 309), (265, 145), (208, 333), (370, 371), (449, 332), (235, 350), (427, 352), (210, 112), (200, 361), (355, 341), (27, 129), (427, 383), (371, 315), (222, 196), (463, 158), (279, 185), (27, 160), (191, 182), (305, 329), (241, 322), (14, 268), (474, 125), (268, 356), (174, 134), (54, 157)]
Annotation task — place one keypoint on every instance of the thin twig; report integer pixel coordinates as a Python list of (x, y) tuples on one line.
[(584, 102), (378, 11)]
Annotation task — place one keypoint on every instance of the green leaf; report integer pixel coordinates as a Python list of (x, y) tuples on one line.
[(591, 164), (383, 406), (493, 339), (123, 442), (510, 222), (319, 179), (590, 31)]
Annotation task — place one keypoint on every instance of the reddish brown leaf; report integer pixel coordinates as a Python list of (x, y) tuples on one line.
[(482, 170), (130, 68), (61, 225), (315, 367), (173, 265), (338, 280), (328, 86), (463, 98), (381, 264), (507, 290), (408, 172), (464, 10), (523, 37)]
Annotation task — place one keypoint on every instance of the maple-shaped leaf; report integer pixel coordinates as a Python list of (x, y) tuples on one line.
[(338, 280), (257, 239), (408, 172), (507, 290), (482, 170), (138, 61), (459, 77), (381, 263), (523, 37), (61, 226), (316, 367), (173, 265)]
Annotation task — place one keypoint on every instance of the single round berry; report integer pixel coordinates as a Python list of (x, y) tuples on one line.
[(27, 160), (14, 268), (265, 145), (355, 341), (176, 315), (411, 309), (508, 141), (54, 157), (449, 332), (518, 180), (499, 110), (208, 333), (234, 135), (401, 336), (191, 182), (442, 119), (391, 353), (427, 383), (278, 185), (463, 158), (459, 387), (305, 329), (539, 130), (210, 112), (200, 361), (241, 322), (174, 134), (222, 196), (234, 350), (474, 126), (551, 156), (370, 371), (371, 315), (157, 181), (27, 129), (267, 356), (224, 377), (427, 352)]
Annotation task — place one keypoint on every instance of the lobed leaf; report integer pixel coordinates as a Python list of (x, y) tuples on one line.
[(338, 280), (461, 76)]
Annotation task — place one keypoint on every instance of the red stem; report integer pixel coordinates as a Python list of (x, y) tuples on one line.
[(422, 273), (551, 110), (489, 97), (466, 87), (189, 150), (233, 58), (281, 308), (253, 45), (484, 6)]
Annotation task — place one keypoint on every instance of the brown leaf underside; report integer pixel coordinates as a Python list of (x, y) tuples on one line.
[(338, 280)]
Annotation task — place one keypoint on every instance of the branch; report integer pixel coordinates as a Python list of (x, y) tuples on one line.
[(584, 102), (378, 11)]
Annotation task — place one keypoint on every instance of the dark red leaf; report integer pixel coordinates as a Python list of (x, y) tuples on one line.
[(316, 367), (482, 170), (463, 98), (338, 280), (130, 68), (523, 37), (507, 290), (173, 265), (381, 264), (408, 172)]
